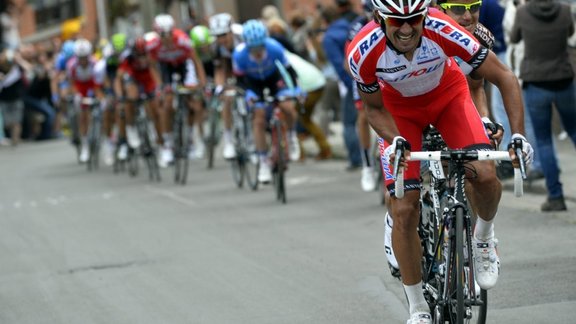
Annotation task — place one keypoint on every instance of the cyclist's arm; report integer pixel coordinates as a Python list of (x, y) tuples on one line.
[(200, 73), (378, 116), (118, 88), (155, 71), (479, 96), (500, 75)]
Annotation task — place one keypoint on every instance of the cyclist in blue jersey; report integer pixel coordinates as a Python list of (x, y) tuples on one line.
[(255, 65), (60, 85)]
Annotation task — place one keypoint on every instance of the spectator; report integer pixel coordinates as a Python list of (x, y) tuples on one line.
[(299, 37), (11, 90), (330, 101), (38, 94), (548, 78), (278, 29), (345, 10), (9, 37), (312, 81), (334, 41)]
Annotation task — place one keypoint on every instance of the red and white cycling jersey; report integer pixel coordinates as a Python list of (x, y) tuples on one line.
[(86, 79), (374, 64), (175, 54)]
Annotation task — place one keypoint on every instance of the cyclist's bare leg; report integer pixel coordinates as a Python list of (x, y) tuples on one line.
[(132, 94), (486, 190), (83, 121), (227, 112), (405, 240), (288, 107), (121, 121), (164, 117), (152, 113), (259, 129)]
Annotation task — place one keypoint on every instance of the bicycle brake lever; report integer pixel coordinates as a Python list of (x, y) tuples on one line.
[(518, 151)]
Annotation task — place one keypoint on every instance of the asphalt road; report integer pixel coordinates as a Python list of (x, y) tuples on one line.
[(80, 247)]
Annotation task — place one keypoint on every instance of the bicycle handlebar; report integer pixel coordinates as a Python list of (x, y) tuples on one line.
[(464, 155)]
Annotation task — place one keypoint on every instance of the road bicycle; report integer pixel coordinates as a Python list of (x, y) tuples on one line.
[(181, 133), (147, 150), (279, 143), (445, 230), (94, 135), (246, 164)]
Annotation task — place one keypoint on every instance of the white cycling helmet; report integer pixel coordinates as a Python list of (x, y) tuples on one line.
[(404, 8), (221, 24), (163, 23), (82, 48)]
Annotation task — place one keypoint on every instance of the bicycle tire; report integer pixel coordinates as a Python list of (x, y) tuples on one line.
[(460, 274), (279, 162), (212, 139), (133, 167), (181, 149), (148, 151)]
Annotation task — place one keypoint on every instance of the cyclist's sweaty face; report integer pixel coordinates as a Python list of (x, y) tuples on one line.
[(226, 40), (464, 12), (258, 53), (403, 33)]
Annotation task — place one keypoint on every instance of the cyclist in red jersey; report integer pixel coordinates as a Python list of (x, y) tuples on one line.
[(136, 77), (86, 74), (466, 13), (404, 65), (173, 51)]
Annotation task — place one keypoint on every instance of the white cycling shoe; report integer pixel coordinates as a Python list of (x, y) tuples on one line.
[(132, 137), (84, 154), (229, 150), (293, 147), (420, 318), (392, 262), (165, 157), (264, 173), (368, 181), (486, 262)]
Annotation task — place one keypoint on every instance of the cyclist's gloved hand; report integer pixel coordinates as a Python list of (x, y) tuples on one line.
[(391, 149), (495, 131), (298, 92), (218, 90), (251, 97), (526, 148)]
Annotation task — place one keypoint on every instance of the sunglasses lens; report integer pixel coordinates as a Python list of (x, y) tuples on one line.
[(474, 8), (458, 10), (398, 22)]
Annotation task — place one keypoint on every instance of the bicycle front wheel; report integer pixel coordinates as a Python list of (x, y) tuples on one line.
[(280, 162), (181, 147), (212, 139)]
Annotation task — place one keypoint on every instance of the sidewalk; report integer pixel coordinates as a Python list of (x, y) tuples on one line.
[(536, 190)]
